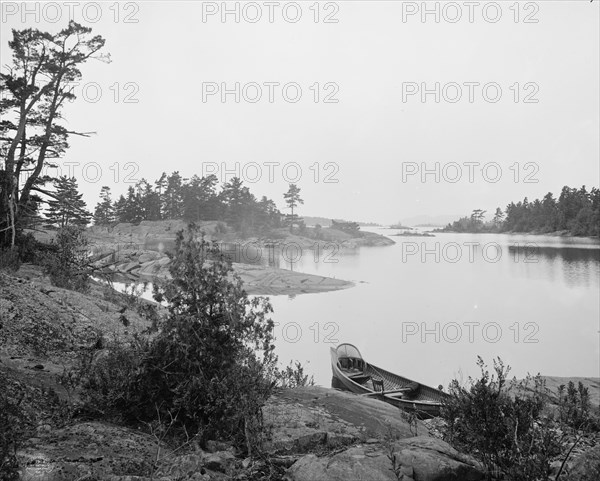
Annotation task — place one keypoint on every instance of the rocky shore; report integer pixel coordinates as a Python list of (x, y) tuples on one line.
[(311, 433), (138, 252)]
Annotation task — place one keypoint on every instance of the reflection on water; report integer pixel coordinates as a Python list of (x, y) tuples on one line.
[(251, 253), (517, 284), (574, 266), (289, 255), (551, 284), (574, 261)]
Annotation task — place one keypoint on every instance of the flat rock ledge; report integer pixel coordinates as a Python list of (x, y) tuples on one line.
[(312, 434), (419, 458)]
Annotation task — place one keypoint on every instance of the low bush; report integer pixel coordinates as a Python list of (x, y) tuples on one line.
[(10, 260), (67, 264), (293, 376), (209, 364), (574, 408), (207, 372), (109, 378), (502, 425)]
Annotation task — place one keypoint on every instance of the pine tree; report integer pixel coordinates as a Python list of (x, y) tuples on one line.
[(119, 209), (149, 200), (173, 197), (67, 207), (216, 342), (132, 211), (35, 88), (292, 199), (104, 213), (498, 216), (160, 187), (239, 203)]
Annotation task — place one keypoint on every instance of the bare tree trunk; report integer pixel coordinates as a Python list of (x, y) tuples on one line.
[(11, 208)]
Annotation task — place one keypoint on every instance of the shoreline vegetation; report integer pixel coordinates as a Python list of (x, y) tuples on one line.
[(91, 363), (562, 233), (308, 432), (576, 213), (139, 252), (133, 235)]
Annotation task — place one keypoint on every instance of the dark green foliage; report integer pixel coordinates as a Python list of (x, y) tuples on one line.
[(150, 313), (576, 211), (68, 265), (238, 200), (209, 369), (66, 208), (9, 259), (574, 408), (293, 376), (104, 214), (502, 429), (173, 197), (210, 364), (108, 379), (34, 87), (29, 248), (292, 199), (197, 199), (149, 201), (129, 209)]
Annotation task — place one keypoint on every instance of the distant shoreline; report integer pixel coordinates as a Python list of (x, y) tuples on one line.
[(139, 253), (413, 234), (559, 233)]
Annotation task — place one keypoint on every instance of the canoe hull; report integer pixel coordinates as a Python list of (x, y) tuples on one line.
[(423, 400)]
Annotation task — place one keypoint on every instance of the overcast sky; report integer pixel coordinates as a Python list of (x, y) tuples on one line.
[(374, 55)]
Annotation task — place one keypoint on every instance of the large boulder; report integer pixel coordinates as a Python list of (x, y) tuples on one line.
[(89, 449), (307, 418), (414, 459)]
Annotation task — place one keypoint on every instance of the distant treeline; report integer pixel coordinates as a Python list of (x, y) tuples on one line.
[(576, 211), (194, 199)]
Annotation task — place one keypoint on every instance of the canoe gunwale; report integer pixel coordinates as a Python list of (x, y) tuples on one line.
[(429, 406)]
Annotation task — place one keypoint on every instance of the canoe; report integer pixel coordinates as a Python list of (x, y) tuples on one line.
[(352, 373)]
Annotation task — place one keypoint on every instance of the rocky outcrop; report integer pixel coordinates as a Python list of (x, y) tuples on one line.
[(138, 252), (50, 324), (140, 266), (89, 450), (43, 327), (341, 436), (312, 434), (414, 459), (160, 236)]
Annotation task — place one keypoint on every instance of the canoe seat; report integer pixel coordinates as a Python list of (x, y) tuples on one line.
[(377, 385)]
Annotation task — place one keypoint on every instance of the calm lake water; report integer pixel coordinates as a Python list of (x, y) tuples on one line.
[(428, 306)]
